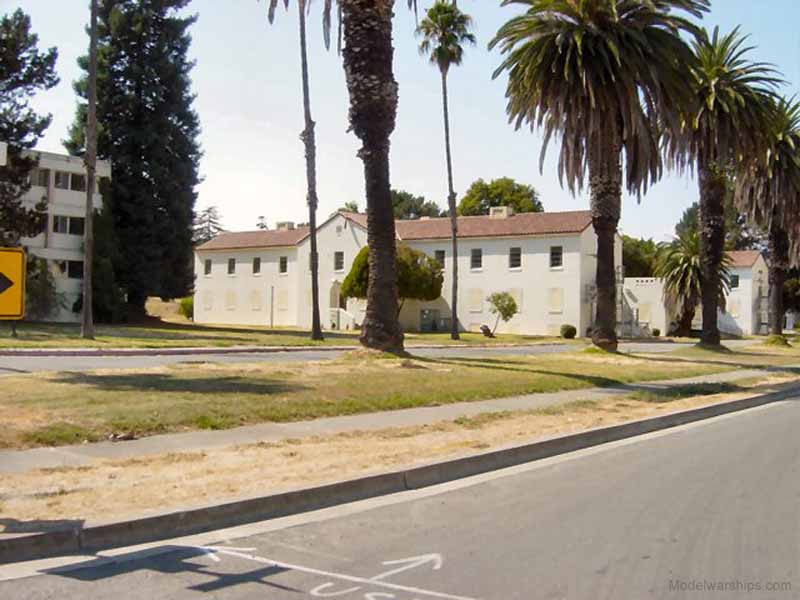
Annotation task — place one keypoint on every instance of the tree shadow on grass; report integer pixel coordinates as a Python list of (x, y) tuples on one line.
[(792, 370), (161, 382)]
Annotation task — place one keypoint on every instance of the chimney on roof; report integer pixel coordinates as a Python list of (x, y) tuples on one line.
[(500, 212), (285, 225)]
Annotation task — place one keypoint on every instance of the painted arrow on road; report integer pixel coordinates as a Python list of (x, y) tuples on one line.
[(411, 563), (5, 283)]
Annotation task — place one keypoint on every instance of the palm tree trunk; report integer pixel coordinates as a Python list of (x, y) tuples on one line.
[(309, 140), (87, 318), (605, 187), (712, 246), (778, 266), (685, 318), (368, 55), (451, 204)]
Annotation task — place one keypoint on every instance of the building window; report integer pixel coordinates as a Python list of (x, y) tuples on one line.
[(75, 269), (734, 282), (231, 266), (62, 180), (207, 267), (78, 183), (60, 224), (41, 177), (256, 265), (338, 261), (76, 225), (439, 258), (556, 257), (515, 258), (476, 258), (283, 264), (555, 300)]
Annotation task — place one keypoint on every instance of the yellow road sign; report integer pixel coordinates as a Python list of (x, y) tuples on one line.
[(12, 283)]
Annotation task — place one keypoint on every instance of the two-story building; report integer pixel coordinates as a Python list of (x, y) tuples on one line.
[(547, 261), (745, 312), (61, 181)]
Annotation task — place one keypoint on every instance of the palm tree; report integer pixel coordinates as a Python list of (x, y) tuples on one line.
[(90, 159), (444, 32), (366, 28), (309, 140), (679, 267), (599, 74), (769, 192), (728, 120)]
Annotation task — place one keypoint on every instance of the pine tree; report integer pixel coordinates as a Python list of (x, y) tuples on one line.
[(207, 225), (148, 130), (24, 70)]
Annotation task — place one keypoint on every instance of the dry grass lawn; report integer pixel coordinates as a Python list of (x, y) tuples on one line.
[(111, 489), (63, 408)]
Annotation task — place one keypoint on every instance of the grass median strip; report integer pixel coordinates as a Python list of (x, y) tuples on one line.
[(116, 489), (163, 334), (63, 408)]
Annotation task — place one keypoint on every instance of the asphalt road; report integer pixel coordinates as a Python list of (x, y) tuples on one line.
[(662, 516), (10, 365)]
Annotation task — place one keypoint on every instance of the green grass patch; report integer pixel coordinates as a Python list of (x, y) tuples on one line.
[(678, 392), (205, 396), (777, 340)]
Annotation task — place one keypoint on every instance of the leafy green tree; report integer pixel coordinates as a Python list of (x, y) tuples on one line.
[(791, 294), (42, 298), (148, 131), (481, 196), (727, 120), (419, 277), (207, 225), (769, 191), (599, 75), (408, 206), (24, 71), (739, 233), (351, 206), (504, 306), (638, 256), (679, 265), (108, 297), (444, 31)]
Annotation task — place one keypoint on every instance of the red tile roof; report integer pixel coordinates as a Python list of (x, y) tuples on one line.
[(743, 258), (256, 239), (522, 224)]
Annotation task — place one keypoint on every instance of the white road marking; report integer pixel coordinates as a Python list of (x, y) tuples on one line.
[(333, 575), (411, 563)]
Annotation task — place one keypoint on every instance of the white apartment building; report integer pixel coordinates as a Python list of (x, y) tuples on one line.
[(547, 261), (745, 311), (61, 181)]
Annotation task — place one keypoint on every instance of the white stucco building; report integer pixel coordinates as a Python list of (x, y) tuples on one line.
[(745, 311), (547, 261), (61, 181)]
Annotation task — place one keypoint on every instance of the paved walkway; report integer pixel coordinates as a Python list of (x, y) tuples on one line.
[(16, 461), (31, 361)]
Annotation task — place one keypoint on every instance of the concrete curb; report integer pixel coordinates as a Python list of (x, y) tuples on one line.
[(94, 537), (50, 352)]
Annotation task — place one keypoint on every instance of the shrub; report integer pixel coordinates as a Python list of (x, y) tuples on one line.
[(568, 332), (186, 307), (656, 332), (504, 306)]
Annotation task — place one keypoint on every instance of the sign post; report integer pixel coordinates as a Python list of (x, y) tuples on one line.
[(12, 284)]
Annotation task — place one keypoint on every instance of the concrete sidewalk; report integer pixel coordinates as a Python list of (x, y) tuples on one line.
[(17, 461)]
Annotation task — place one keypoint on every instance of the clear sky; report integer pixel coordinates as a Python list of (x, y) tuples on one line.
[(247, 81)]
